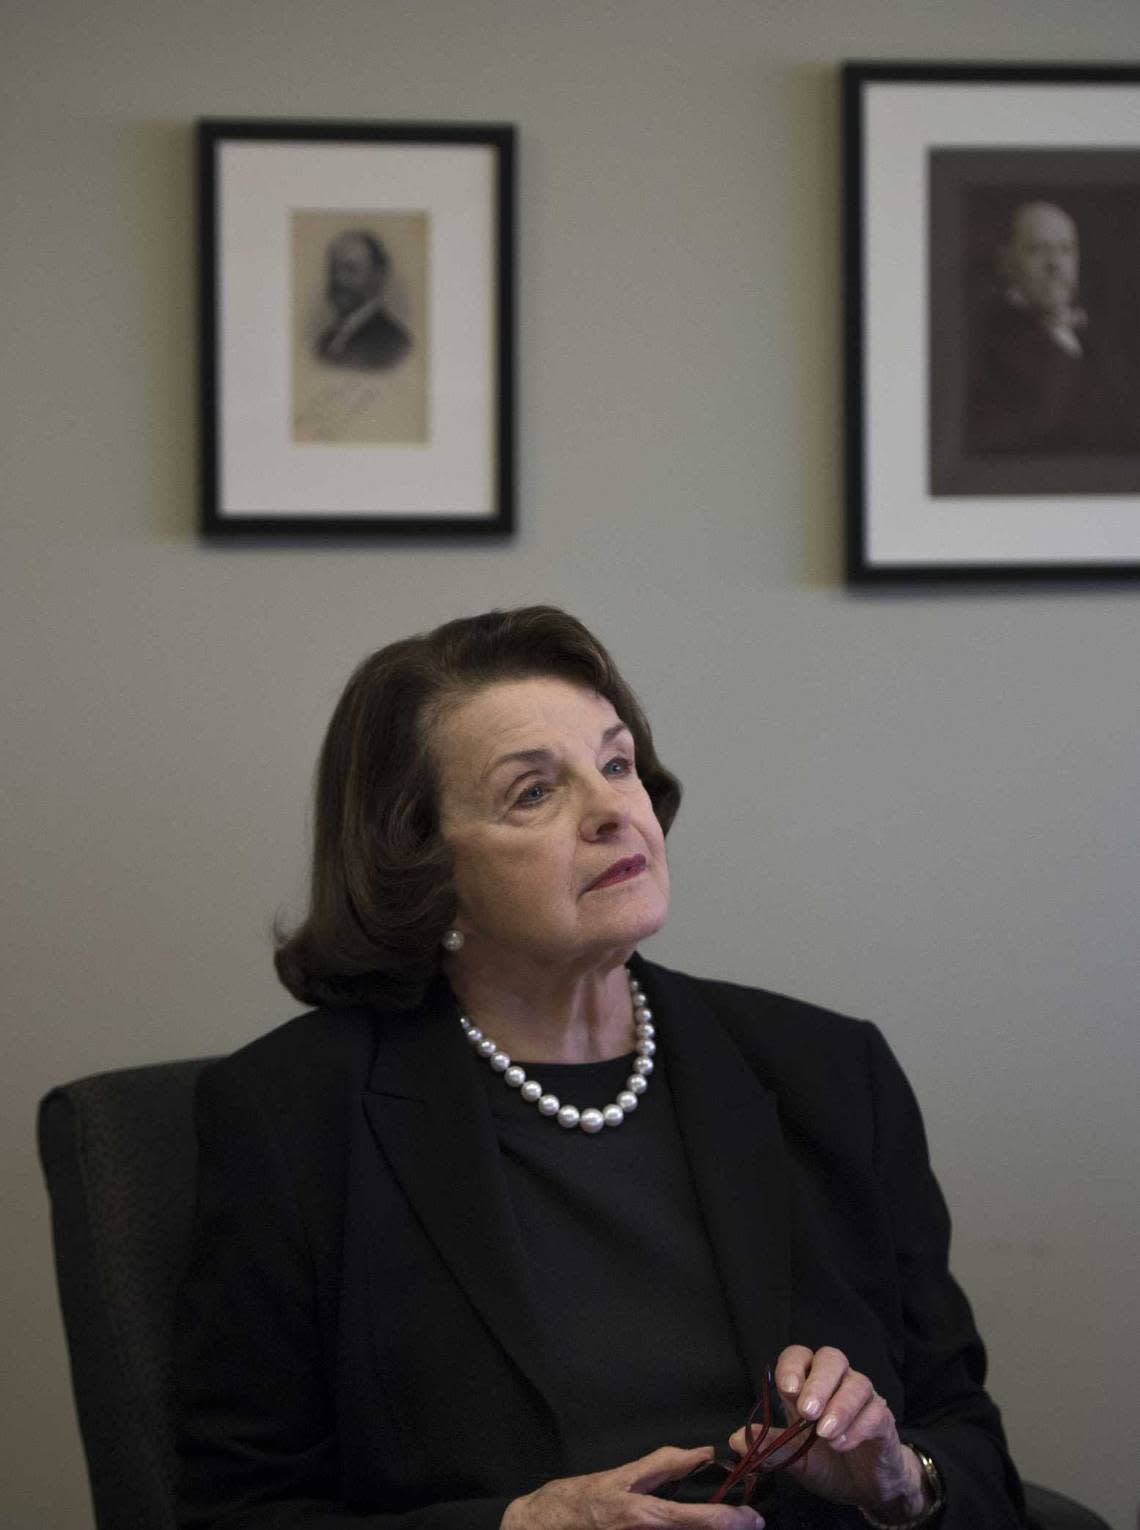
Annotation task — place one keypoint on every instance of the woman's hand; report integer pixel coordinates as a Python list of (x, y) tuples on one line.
[(618, 1500), (858, 1457)]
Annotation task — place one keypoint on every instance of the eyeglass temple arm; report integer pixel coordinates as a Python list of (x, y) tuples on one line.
[(759, 1452)]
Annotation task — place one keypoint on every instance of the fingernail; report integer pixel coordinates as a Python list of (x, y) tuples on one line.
[(810, 1406), (828, 1427), (791, 1382)]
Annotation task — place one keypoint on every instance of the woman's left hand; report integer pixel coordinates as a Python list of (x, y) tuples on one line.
[(858, 1457)]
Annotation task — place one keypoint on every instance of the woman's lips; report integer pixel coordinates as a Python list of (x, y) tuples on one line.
[(620, 871)]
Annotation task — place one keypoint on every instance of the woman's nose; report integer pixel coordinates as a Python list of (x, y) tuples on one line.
[(606, 813)]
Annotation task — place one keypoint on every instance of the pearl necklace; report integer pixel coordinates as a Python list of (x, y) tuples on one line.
[(569, 1116)]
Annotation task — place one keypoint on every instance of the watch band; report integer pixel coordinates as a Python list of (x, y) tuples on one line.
[(933, 1479)]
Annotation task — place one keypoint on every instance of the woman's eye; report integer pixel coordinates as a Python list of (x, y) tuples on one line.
[(532, 795), (619, 766)]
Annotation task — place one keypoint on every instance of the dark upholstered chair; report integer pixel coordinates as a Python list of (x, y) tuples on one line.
[(118, 1154)]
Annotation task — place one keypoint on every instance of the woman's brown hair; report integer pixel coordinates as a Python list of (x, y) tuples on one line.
[(382, 893)]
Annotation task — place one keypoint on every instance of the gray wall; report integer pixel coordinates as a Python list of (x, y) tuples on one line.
[(921, 808)]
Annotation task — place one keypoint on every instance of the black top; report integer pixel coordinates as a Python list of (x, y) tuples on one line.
[(622, 1276)]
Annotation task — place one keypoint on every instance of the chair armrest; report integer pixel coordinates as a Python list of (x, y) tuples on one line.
[(1053, 1511)]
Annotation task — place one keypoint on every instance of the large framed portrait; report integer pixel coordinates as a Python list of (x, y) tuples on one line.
[(992, 274), (357, 307)]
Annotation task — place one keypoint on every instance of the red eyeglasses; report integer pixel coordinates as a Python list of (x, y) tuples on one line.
[(752, 1473)]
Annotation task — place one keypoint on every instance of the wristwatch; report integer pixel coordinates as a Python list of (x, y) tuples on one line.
[(933, 1480)]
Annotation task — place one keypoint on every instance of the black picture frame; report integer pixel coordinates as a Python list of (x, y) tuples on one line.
[(987, 437), (357, 306)]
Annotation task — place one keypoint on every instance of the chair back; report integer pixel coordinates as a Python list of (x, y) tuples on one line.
[(118, 1153)]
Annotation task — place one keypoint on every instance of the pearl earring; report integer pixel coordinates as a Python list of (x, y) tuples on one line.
[(453, 940)]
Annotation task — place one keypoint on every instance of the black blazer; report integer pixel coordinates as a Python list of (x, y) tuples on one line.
[(354, 1334)]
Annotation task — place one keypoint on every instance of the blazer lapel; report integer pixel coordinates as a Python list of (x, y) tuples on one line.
[(432, 1124), (732, 1135)]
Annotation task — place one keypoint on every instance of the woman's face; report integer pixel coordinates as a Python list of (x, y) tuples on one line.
[(559, 856)]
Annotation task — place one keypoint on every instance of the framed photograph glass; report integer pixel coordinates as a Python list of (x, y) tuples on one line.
[(357, 302), (992, 273)]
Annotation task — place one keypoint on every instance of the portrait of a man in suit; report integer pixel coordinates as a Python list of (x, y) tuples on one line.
[(362, 333), (1045, 376), (361, 325)]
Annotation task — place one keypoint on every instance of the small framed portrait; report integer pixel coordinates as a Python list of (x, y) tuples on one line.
[(992, 270), (357, 296)]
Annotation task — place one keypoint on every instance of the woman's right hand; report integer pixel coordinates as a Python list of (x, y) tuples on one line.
[(619, 1499)]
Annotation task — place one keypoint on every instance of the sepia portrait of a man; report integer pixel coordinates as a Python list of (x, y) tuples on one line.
[(1044, 377), (361, 327), (1034, 362), (361, 332)]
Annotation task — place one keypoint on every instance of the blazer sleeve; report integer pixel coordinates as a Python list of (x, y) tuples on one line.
[(948, 1412), (258, 1441)]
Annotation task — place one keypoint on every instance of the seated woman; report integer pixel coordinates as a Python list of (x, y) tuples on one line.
[(508, 1230)]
